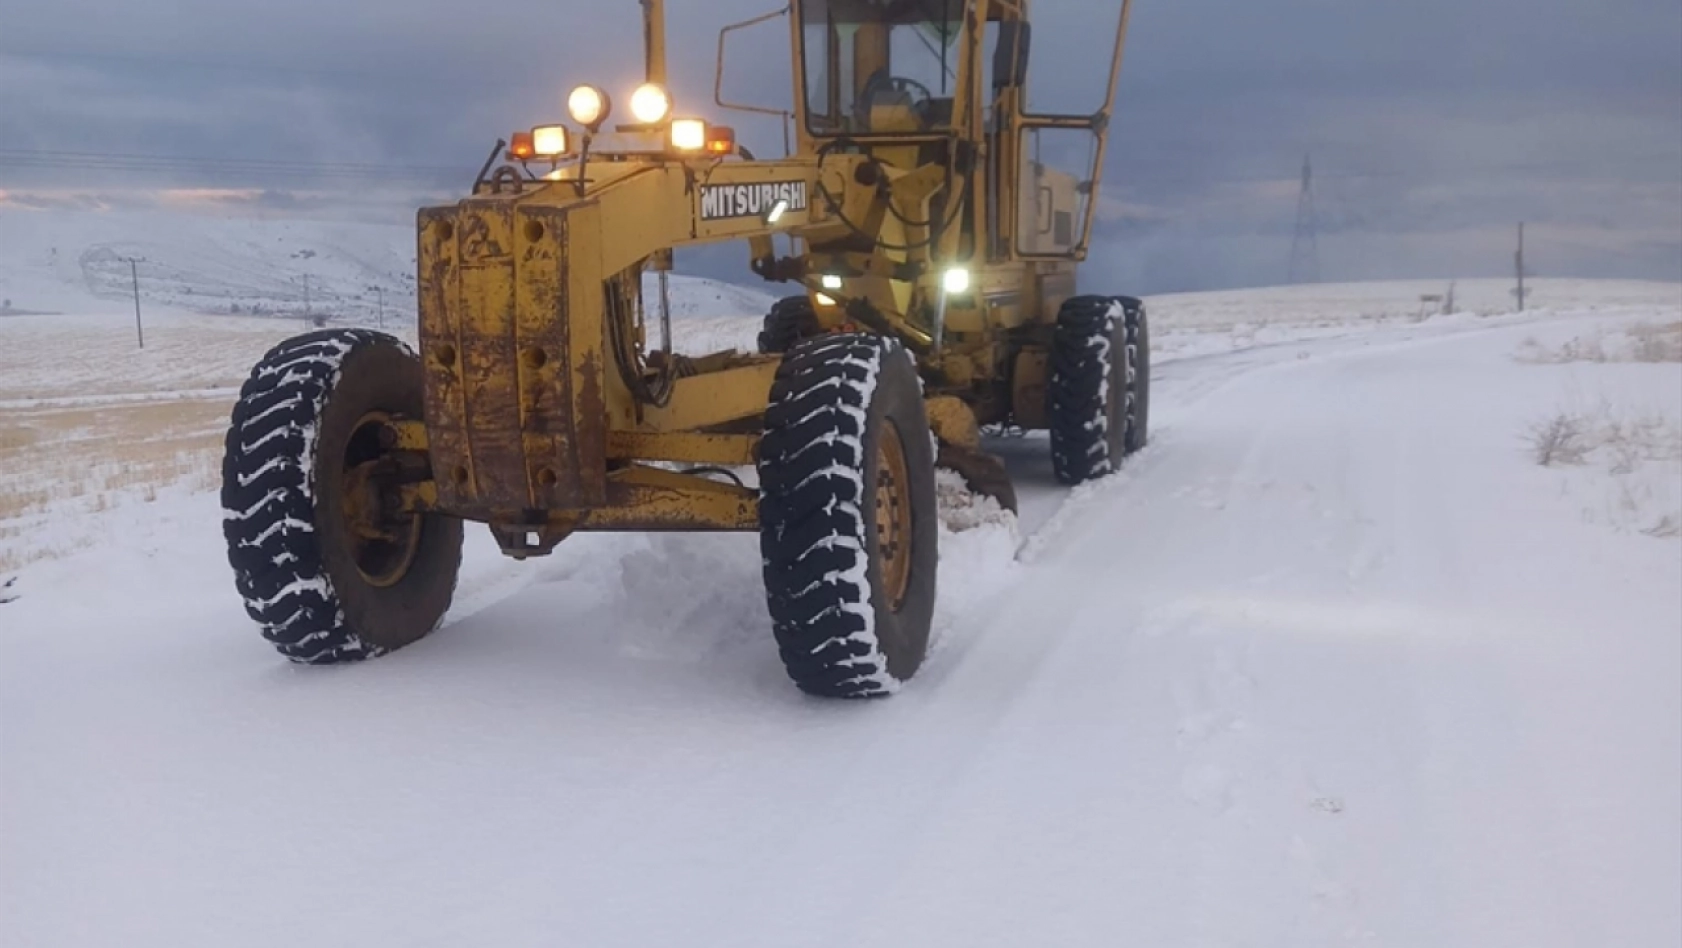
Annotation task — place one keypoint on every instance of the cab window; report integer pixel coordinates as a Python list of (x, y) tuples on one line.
[(880, 67)]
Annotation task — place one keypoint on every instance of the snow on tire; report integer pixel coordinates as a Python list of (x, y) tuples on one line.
[(301, 422), (848, 525), (791, 319), (1136, 409), (1088, 392)]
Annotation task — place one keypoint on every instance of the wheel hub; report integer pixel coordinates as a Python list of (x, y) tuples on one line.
[(893, 516), (383, 539)]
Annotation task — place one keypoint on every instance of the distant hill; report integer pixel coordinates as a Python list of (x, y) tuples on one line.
[(78, 261)]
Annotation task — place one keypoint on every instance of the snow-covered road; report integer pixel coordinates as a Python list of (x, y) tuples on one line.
[(1333, 662)]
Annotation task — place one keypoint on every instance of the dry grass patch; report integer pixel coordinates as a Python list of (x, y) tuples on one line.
[(1657, 342), (69, 462), (1642, 342), (70, 357)]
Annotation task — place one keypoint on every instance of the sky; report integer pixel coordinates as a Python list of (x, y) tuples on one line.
[(1434, 126)]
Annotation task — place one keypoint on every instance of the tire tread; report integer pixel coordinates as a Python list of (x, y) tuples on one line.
[(812, 529), (267, 497)]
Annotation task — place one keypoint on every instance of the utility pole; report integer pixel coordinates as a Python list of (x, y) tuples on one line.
[(306, 300), (134, 274), (1305, 243), (380, 292), (1518, 266)]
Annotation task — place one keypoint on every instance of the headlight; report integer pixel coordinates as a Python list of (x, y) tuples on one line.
[(588, 106), (549, 141), (955, 281), (650, 104), (824, 299), (687, 134), (830, 281)]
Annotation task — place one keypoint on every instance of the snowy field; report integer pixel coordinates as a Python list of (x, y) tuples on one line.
[(53, 261), (1338, 660)]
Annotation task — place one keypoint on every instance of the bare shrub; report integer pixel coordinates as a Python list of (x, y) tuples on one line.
[(1558, 440)]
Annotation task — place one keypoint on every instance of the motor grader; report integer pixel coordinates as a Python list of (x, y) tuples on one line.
[(931, 225)]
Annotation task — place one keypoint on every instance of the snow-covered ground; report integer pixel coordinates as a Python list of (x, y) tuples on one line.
[(90, 421), (1334, 661)]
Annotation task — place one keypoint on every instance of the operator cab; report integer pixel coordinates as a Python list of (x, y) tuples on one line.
[(880, 67)]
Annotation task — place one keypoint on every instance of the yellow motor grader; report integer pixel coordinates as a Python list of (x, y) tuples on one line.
[(932, 224)]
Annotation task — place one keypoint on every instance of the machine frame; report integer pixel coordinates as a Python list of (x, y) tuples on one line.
[(527, 290)]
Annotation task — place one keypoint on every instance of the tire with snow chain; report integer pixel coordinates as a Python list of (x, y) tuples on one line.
[(791, 319), (848, 525), (1137, 360), (1086, 395), (322, 588)]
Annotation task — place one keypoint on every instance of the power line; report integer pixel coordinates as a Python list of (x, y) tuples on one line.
[(287, 168), (175, 164), (139, 59), (1176, 172), (196, 159)]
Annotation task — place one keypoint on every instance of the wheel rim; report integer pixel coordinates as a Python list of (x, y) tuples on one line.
[(893, 515), (383, 540)]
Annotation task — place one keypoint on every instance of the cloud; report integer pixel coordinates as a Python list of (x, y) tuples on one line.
[(1433, 124)]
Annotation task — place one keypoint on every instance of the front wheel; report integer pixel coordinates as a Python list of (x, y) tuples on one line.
[(848, 525), (329, 565)]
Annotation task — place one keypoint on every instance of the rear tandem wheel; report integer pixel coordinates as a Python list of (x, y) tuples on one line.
[(1098, 394)]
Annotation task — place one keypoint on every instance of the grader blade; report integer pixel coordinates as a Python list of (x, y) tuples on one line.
[(984, 473)]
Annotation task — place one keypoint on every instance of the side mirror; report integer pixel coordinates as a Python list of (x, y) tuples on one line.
[(1010, 57)]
